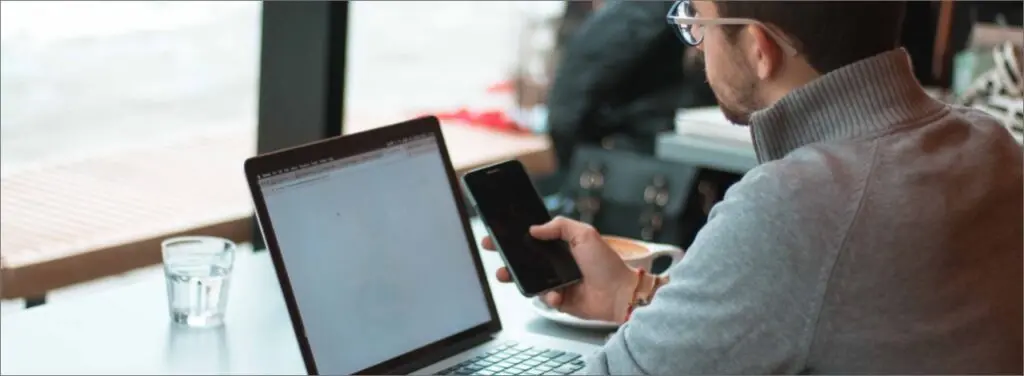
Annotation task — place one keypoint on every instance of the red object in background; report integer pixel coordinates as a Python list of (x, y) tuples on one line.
[(502, 87), (493, 119)]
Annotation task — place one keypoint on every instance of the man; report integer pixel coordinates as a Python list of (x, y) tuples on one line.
[(881, 233)]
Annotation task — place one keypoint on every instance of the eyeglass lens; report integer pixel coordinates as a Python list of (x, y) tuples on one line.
[(690, 33)]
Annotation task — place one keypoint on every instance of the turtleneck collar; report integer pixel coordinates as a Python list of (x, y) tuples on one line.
[(860, 99)]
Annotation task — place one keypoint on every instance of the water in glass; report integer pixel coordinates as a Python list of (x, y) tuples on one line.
[(198, 273)]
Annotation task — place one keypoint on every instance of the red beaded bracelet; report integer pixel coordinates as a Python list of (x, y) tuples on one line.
[(639, 299), (633, 300)]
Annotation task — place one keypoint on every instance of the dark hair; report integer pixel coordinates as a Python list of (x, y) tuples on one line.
[(829, 34)]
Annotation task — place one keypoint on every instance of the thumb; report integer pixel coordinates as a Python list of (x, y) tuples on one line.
[(562, 228), (552, 230)]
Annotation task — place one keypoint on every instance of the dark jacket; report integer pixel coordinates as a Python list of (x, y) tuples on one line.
[(621, 76)]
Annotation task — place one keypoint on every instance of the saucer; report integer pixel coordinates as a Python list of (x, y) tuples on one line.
[(549, 313)]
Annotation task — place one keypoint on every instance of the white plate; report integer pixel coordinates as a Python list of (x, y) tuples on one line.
[(549, 313)]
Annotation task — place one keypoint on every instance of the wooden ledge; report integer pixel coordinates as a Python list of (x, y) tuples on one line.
[(70, 223), (106, 215)]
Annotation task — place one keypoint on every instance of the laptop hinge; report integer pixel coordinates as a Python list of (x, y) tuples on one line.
[(442, 354)]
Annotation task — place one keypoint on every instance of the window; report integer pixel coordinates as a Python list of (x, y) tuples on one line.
[(458, 60), (408, 58), (125, 122), (120, 122), (84, 76)]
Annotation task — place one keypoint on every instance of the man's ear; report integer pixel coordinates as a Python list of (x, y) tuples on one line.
[(767, 54)]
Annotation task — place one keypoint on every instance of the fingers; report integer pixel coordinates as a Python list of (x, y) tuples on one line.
[(553, 299), (488, 243), (564, 229), (503, 275)]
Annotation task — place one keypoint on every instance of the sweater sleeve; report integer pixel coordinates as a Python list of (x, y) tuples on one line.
[(745, 299)]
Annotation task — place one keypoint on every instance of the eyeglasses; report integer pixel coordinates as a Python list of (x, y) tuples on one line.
[(690, 28)]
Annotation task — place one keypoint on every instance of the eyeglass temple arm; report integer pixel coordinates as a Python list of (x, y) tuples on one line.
[(779, 38)]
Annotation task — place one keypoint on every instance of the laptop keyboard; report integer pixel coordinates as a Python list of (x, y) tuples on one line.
[(512, 358)]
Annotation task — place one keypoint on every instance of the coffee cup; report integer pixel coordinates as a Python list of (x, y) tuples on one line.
[(653, 257)]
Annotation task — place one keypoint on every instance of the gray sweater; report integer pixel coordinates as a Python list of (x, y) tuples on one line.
[(881, 233)]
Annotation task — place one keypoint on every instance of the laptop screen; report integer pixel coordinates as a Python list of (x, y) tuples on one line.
[(376, 254)]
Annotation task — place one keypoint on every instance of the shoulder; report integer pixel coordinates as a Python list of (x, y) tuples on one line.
[(799, 207), (986, 124), (810, 181)]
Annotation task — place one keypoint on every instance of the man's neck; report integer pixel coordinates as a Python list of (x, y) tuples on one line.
[(796, 77), (866, 97)]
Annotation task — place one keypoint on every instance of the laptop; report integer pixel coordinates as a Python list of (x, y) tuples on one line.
[(378, 264)]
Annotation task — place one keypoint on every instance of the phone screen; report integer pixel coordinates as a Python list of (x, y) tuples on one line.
[(508, 204)]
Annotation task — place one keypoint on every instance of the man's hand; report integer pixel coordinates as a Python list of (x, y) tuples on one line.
[(608, 283)]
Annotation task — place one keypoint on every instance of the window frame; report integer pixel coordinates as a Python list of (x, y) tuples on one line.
[(304, 47)]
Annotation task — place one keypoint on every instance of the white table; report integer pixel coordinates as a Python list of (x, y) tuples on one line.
[(127, 330), (703, 137), (716, 154)]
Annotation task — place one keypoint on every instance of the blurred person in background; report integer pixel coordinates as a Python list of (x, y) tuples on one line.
[(620, 78)]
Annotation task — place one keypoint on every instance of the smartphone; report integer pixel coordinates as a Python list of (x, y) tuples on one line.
[(508, 204)]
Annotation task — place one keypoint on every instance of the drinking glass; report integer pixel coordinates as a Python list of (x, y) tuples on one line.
[(197, 270)]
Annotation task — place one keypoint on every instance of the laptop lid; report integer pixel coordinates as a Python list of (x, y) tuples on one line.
[(373, 249)]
